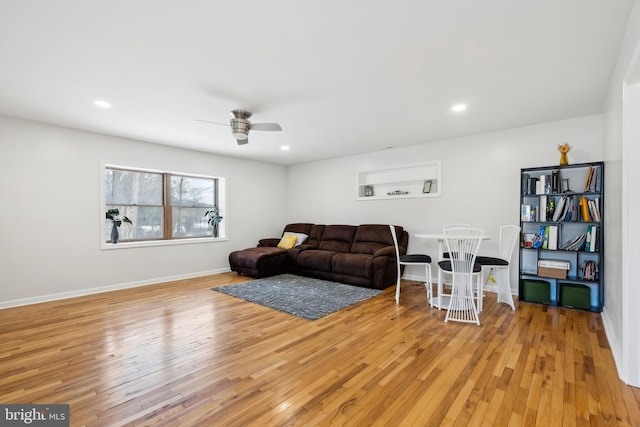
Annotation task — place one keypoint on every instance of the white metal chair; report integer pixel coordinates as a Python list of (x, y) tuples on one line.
[(445, 255), (463, 245), (414, 259), (509, 237), (454, 225)]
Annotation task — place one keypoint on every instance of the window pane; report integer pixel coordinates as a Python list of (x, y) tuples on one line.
[(147, 223), (192, 192), (190, 222), (132, 188)]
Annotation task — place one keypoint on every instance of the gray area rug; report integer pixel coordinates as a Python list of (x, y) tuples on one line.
[(301, 296)]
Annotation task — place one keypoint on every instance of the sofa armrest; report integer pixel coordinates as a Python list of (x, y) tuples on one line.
[(271, 242), (386, 251)]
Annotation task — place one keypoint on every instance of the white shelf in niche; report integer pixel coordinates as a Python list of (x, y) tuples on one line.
[(400, 182)]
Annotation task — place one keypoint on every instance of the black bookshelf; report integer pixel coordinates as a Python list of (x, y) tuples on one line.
[(562, 245)]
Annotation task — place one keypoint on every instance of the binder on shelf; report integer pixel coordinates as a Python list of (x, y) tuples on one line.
[(592, 232), (542, 208), (553, 237)]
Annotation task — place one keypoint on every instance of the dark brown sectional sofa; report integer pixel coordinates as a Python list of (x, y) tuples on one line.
[(361, 255)]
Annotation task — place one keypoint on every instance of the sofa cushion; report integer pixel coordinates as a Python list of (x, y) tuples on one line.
[(298, 227), (338, 238), (360, 265), (315, 259), (370, 238)]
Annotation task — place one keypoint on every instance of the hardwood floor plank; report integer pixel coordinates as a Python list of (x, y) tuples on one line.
[(180, 354)]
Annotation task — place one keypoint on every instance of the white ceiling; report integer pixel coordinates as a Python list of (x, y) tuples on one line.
[(341, 77)]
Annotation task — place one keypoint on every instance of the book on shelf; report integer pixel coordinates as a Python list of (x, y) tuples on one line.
[(537, 243), (575, 213), (550, 209), (553, 263), (559, 209), (544, 231), (555, 181), (532, 183), (584, 209), (588, 180), (574, 244), (594, 208), (564, 210), (590, 270), (542, 208), (593, 182), (525, 183)]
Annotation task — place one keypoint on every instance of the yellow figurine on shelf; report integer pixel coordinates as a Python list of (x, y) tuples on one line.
[(564, 149)]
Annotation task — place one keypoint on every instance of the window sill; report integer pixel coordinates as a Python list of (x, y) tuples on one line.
[(149, 243)]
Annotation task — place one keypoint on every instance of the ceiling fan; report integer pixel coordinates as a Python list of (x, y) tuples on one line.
[(240, 125)]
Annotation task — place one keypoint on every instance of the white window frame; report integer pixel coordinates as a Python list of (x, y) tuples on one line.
[(222, 204)]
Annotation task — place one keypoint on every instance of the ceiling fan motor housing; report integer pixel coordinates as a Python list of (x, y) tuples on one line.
[(240, 128)]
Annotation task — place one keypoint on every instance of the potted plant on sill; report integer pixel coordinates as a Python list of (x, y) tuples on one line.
[(214, 218), (117, 220)]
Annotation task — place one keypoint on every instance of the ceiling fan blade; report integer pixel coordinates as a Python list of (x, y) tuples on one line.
[(208, 121), (242, 141), (265, 126)]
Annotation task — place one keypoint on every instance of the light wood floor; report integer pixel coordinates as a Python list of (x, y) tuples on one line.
[(179, 354)]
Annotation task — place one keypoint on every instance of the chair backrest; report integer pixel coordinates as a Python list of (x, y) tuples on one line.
[(509, 237), (395, 243), (454, 225), (463, 245)]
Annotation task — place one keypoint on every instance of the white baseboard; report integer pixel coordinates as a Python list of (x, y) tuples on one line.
[(614, 345), (108, 288)]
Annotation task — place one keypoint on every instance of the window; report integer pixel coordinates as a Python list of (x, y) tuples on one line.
[(161, 205)]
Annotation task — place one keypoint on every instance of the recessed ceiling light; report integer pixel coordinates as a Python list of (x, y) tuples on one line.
[(459, 108), (285, 148), (102, 103)]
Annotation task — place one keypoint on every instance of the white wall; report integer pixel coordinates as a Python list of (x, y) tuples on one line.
[(51, 217), (620, 314), (480, 173)]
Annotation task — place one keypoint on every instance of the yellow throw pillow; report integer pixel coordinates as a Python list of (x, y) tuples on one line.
[(287, 242)]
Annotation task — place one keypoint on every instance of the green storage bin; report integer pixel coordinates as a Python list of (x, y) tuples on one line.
[(575, 296), (536, 291)]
